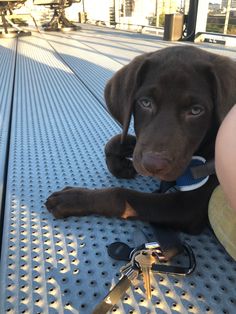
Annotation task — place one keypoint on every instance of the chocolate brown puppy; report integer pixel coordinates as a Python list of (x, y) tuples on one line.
[(178, 97)]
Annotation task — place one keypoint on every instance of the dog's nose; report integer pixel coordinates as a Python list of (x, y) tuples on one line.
[(155, 162)]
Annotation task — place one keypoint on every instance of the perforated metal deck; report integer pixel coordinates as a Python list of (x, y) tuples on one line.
[(7, 65), (59, 128)]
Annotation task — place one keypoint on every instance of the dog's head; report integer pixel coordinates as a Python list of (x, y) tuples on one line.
[(178, 97)]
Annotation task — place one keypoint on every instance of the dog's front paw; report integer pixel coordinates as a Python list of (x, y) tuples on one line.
[(69, 202), (120, 167), (118, 156)]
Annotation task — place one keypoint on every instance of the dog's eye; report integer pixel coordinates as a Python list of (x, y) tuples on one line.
[(145, 102), (196, 110)]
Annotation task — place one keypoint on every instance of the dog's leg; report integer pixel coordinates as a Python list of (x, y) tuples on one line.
[(181, 210), (118, 156)]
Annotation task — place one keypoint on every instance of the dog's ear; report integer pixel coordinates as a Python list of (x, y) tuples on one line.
[(220, 72), (120, 89), (224, 72)]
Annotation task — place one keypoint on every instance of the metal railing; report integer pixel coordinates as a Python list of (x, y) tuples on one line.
[(138, 14)]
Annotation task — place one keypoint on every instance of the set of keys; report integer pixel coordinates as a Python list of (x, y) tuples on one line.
[(146, 259), (143, 260), (141, 263)]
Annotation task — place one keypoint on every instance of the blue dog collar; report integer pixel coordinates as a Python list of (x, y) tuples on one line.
[(187, 182)]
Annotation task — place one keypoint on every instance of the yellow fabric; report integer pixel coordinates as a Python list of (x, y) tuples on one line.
[(223, 221)]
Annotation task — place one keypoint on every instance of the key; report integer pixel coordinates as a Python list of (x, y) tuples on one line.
[(145, 260), (129, 273)]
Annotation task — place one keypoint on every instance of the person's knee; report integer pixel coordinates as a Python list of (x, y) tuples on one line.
[(225, 156)]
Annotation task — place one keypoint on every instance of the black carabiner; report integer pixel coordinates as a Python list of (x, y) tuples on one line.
[(178, 270)]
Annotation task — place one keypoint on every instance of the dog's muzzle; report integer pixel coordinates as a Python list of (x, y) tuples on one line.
[(156, 163)]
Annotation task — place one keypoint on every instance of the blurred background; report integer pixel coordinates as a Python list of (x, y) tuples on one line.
[(128, 14)]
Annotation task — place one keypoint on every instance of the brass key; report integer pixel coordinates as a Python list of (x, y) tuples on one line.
[(129, 273), (145, 260)]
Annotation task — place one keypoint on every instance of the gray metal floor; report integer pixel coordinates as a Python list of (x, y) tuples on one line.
[(7, 65), (59, 128)]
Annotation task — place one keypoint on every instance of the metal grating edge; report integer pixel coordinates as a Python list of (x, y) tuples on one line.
[(7, 67)]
